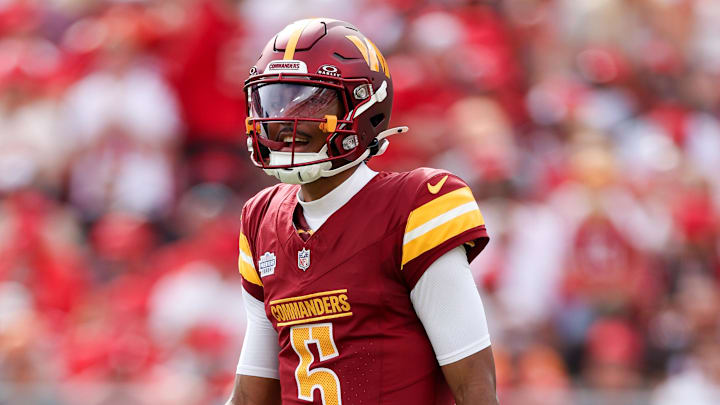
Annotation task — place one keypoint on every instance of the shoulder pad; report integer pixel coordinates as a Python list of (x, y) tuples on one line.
[(262, 199)]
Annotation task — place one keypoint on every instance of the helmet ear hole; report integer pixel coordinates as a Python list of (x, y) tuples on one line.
[(377, 119)]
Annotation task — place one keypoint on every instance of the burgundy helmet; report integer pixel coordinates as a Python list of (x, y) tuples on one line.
[(309, 68)]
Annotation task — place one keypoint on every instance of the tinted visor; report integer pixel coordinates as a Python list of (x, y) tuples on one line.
[(292, 100)]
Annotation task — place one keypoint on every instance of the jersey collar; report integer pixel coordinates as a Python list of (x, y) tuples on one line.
[(318, 211)]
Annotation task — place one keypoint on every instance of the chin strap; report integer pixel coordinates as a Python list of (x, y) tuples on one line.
[(386, 134), (383, 147), (310, 173)]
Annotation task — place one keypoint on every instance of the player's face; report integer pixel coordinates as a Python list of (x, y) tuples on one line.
[(295, 101)]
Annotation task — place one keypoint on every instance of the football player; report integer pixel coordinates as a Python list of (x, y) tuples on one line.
[(357, 283)]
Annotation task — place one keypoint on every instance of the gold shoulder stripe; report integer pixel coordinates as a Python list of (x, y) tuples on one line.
[(245, 245), (248, 272), (246, 264), (438, 206), (439, 220), (440, 234)]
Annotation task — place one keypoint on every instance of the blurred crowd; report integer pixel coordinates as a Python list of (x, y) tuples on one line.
[(587, 129)]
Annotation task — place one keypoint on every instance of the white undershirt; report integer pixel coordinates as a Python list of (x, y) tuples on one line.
[(318, 211), (445, 298)]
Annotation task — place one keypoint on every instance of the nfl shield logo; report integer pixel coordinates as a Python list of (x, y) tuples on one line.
[(304, 259)]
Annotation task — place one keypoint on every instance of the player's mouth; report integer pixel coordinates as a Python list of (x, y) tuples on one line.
[(301, 142)]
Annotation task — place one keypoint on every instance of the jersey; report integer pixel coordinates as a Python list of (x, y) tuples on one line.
[(340, 298)]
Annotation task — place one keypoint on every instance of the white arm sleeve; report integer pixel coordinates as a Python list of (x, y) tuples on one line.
[(449, 307), (259, 355)]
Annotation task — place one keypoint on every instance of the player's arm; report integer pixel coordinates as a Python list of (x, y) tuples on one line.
[(250, 390), (472, 379), (449, 306), (256, 381), (257, 378)]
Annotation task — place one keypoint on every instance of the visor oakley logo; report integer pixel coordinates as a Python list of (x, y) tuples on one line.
[(329, 70), (286, 66)]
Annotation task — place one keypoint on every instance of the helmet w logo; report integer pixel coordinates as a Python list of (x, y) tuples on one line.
[(371, 53)]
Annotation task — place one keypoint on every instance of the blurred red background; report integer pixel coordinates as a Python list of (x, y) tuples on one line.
[(587, 129)]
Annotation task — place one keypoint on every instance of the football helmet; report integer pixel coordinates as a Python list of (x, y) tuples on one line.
[(318, 81)]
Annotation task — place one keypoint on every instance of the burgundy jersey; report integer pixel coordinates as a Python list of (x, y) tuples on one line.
[(340, 298)]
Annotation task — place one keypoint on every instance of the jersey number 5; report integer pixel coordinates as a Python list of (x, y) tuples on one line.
[(320, 378)]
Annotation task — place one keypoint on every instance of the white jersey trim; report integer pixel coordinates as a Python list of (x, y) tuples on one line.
[(247, 259), (439, 220)]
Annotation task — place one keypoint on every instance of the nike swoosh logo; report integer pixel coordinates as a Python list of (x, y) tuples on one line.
[(434, 189)]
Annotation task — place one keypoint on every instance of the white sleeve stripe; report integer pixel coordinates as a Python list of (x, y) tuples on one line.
[(439, 220), (247, 259), (464, 352)]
